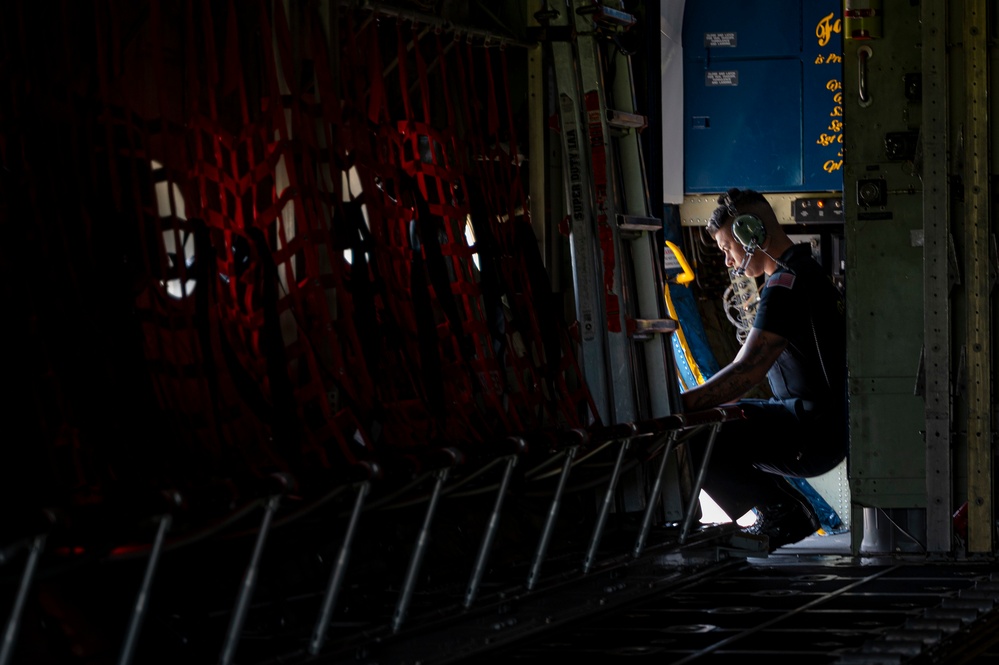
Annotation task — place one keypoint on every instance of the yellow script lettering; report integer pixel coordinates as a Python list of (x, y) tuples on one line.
[(825, 28)]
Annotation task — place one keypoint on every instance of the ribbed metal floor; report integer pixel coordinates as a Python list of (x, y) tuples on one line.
[(715, 598), (809, 603)]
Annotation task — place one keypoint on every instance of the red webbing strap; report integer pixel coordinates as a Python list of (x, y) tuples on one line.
[(446, 86), (233, 68), (300, 253), (377, 101), (479, 309), (183, 379), (299, 256), (516, 182), (346, 359), (508, 196), (496, 253), (429, 356), (111, 119), (443, 176), (402, 57), (421, 73), (250, 315), (483, 153), (598, 160), (399, 407), (492, 107), (250, 334), (187, 348), (400, 387), (435, 259), (495, 151), (577, 402), (245, 320), (220, 205), (339, 143)]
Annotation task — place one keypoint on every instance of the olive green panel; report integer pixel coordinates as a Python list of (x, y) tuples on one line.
[(884, 264), (888, 469), (884, 291)]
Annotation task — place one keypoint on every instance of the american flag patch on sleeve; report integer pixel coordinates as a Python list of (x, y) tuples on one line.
[(785, 279)]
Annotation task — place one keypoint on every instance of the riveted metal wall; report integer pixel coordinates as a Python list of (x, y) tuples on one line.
[(922, 274), (884, 264)]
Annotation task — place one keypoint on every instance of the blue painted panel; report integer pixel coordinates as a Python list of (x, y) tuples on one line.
[(742, 29), (822, 57), (744, 125), (762, 102)]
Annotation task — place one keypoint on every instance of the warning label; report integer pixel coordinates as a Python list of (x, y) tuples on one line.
[(721, 39), (721, 77), (670, 262)]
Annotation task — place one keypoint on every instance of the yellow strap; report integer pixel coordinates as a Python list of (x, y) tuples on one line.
[(695, 370)]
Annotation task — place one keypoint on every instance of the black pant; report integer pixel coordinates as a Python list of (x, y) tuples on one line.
[(777, 438)]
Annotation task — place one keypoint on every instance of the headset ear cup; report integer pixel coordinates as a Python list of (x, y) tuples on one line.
[(749, 231)]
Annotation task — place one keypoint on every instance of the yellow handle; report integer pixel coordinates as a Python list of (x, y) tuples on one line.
[(687, 275)]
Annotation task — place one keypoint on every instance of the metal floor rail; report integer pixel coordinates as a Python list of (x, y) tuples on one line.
[(271, 578)]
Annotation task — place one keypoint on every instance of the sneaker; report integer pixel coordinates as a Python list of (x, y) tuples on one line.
[(784, 523)]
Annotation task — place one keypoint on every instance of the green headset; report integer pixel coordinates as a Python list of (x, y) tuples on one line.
[(748, 229)]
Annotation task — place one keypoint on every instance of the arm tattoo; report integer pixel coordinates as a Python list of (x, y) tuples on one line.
[(737, 378)]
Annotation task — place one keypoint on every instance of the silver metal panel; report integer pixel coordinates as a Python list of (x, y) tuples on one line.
[(579, 202), (645, 255), (536, 146), (671, 66), (622, 369), (834, 487)]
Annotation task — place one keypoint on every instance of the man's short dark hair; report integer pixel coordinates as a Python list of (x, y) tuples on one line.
[(729, 203)]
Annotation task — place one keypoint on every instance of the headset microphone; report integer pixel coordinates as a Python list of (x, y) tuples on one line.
[(740, 270)]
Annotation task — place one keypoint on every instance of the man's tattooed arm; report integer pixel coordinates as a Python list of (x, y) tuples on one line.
[(747, 370)]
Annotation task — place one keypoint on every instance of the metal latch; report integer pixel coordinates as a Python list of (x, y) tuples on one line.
[(635, 223), (645, 328)]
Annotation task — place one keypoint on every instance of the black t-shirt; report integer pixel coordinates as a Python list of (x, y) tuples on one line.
[(801, 304)]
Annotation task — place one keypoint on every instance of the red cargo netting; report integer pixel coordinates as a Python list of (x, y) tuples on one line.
[(326, 243)]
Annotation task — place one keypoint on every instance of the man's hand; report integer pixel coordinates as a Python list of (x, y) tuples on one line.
[(746, 371)]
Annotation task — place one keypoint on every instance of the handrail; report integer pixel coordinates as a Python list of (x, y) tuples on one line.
[(687, 275)]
